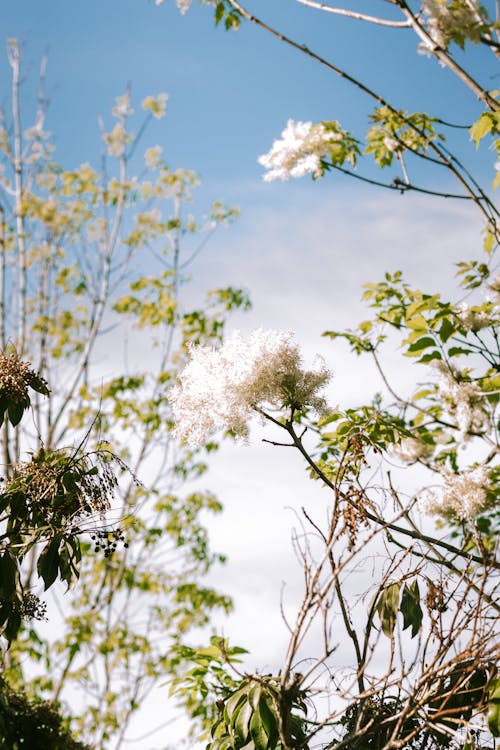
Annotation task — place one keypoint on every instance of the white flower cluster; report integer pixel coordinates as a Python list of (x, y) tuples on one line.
[(116, 140), (123, 106), (462, 495), (464, 401), (221, 388), (446, 19), (409, 450), (473, 320), (299, 152), (152, 157)]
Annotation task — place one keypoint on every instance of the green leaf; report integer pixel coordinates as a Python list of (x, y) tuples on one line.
[(457, 351), (410, 608), (423, 343), (387, 608), (258, 732), (39, 385), (494, 707), (9, 573), (242, 722), (232, 704), (69, 480), (48, 562), (13, 625), (430, 357), (447, 329), (481, 127), (69, 557), (219, 13), (269, 722), (15, 412)]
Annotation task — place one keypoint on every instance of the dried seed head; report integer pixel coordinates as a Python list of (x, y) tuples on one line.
[(14, 378)]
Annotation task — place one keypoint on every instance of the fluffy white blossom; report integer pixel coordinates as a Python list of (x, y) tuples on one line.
[(462, 495), (221, 388), (409, 450), (473, 320), (299, 151), (464, 401), (447, 20)]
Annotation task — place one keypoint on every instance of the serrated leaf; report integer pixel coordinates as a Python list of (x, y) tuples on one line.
[(456, 351), (430, 357), (418, 323), (446, 330), (481, 127), (423, 343)]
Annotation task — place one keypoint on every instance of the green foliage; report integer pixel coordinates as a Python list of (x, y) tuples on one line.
[(459, 694), (424, 686), (395, 132), (369, 725), (203, 678), (253, 712), (225, 14), (101, 256), (33, 724), (43, 507), (398, 597), (260, 715)]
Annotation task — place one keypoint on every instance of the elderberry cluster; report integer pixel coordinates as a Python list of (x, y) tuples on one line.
[(106, 541)]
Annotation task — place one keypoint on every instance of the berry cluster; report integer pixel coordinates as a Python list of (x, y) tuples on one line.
[(106, 541), (32, 607)]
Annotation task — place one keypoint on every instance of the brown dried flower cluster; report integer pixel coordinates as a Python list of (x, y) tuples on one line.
[(15, 377), (354, 514)]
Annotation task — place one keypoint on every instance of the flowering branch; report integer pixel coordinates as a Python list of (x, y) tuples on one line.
[(484, 204)]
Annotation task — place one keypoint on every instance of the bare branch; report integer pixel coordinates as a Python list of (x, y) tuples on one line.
[(356, 15)]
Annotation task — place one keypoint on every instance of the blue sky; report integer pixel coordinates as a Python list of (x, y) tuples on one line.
[(230, 93)]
